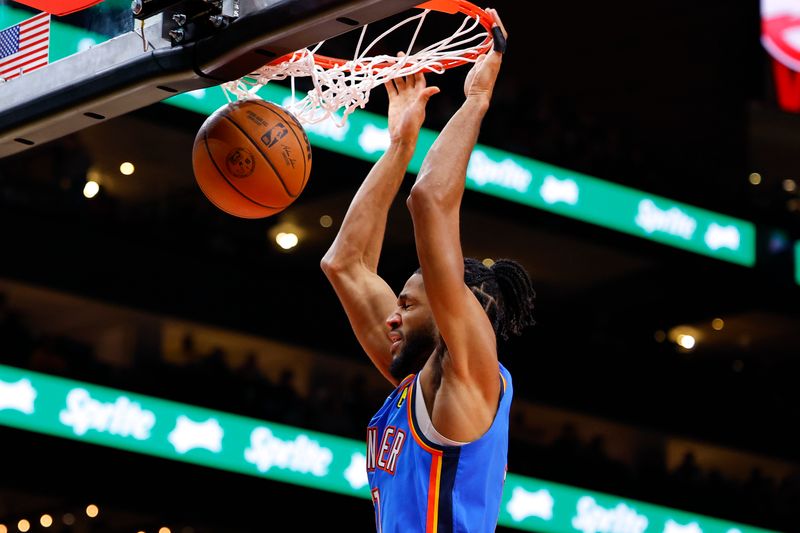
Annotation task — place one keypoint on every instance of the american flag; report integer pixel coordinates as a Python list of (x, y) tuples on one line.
[(25, 46)]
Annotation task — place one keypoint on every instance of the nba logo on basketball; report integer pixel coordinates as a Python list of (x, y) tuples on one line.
[(274, 134)]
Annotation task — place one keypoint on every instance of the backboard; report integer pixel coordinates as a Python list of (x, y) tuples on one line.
[(116, 57)]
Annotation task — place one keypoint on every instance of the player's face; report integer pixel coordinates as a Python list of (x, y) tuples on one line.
[(412, 331)]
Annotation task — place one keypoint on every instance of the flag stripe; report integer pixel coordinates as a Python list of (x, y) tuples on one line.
[(22, 65), (23, 28), (28, 45), (31, 35), (23, 58), (25, 46), (41, 17), (33, 66)]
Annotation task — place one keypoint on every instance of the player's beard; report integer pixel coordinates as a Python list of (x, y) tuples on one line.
[(417, 348)]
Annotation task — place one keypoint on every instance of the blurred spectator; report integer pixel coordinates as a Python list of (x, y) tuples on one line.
[(357, 404), (687, 472), (254, 385), (564, 451), (189, 353), (16, 339), (326, 408), (48, 358), (285, 405)]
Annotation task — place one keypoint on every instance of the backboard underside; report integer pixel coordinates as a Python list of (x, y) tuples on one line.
[(119, 76)]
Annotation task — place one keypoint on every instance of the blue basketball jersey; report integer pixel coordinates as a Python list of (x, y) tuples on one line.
[(419, 486)]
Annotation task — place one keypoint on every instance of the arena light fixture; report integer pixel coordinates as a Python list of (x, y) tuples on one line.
[(686, 337), (91, 189), (686, 342), (127, 168), (286, 240)]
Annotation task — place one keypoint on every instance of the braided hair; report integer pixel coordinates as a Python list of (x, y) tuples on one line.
[(505, 292)]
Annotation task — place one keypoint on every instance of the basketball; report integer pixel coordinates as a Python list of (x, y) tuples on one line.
[(251, 158)]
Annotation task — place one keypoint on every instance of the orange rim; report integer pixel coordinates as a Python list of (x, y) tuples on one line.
[(443, 6)]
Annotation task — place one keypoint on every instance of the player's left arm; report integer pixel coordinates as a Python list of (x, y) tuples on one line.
[(434, 203)]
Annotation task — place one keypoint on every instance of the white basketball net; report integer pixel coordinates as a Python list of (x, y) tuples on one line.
[(348, 86)]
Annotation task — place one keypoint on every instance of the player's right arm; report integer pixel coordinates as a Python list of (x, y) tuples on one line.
[(351, 263)]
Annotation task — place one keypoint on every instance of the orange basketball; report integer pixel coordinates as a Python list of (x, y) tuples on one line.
[(251, 158)]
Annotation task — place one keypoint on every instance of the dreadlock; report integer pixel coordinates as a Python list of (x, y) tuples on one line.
[(517, 296), (505, 292)]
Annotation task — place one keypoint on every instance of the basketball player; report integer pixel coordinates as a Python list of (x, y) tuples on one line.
[(436, 450)]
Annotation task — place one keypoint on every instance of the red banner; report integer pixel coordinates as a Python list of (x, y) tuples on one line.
[(780, 35), (59, 7)]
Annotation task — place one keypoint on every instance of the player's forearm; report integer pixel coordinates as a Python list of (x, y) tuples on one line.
[(442, 176), (362, 232)]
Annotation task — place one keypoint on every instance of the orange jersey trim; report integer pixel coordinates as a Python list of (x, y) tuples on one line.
[(432, 521), (432, 514), (410, 401)]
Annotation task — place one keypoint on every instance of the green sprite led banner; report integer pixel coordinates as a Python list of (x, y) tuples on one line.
[(152, 426), (495, 172)]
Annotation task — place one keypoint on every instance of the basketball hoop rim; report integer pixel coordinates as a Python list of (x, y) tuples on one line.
[(450, 7)]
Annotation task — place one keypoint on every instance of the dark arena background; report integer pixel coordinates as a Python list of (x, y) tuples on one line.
[(640, 159)]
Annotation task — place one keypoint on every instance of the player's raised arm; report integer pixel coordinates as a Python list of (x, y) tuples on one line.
[(351, 263), (434, 203)]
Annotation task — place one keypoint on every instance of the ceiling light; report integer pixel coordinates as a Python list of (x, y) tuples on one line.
[(686, 341), (46, 520), (68, 519), (92, 510), (286, 234), (325, 221), (488, 262), (755, 178), (91, 189), (23, 525), (789, 185), (717, 324), (127, 168), (286, 240), (686, 337), (164, 530)]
